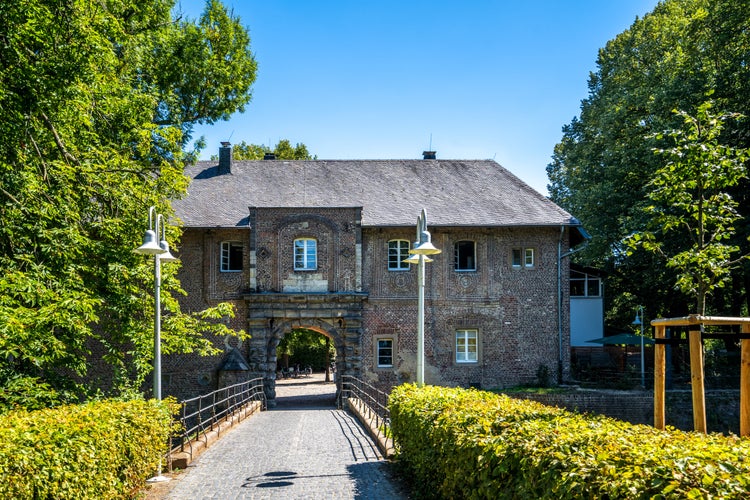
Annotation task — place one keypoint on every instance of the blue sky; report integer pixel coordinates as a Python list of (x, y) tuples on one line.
[(480, 79)]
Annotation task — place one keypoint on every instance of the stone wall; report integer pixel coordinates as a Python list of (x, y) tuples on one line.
[(637, 407)]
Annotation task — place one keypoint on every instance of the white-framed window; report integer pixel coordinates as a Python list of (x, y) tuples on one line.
[(384, 352), (528, 257), (398, 250), (466, 346), (585, 285), (305, 254), (522, 257), (231, 256), (465, 255)]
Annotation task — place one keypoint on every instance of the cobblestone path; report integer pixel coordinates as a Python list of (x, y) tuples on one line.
[(302, 448)]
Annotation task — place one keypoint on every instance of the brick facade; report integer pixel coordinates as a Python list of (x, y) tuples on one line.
[(513, 310), (353, 298)]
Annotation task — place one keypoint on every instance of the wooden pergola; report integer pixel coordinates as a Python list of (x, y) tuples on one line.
[(695, 325)]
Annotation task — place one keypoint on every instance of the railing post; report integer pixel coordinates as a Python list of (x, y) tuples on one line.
[(213, 409), (184, 426)]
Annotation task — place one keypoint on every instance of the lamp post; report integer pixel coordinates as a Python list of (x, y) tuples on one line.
[(639, 319), (161, 253), (422, 248)]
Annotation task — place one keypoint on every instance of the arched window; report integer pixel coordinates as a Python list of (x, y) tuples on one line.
[(305, 254), (398, 250)]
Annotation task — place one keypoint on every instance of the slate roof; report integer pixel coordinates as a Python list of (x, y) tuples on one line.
[(390, 192)]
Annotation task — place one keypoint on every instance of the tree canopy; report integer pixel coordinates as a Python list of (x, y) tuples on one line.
[(98, 100), (283, 151), (692, 212), (604, 169)]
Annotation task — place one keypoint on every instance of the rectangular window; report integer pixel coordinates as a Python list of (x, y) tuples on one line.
[(305, 254), (584, 285), (516, 258), (465, 256), (594, 287), (385, 353), (528, 257), (231, 256), (522, 257), (466, 346), (577, 284), (398, 250)]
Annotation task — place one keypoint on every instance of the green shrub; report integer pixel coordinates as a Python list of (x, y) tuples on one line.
[(19, 391), (96, 450), (458, 443)]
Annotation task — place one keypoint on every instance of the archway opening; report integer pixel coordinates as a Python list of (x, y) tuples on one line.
[(304, 351), (305, 368)]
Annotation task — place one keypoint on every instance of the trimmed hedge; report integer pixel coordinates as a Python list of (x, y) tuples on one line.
[(459, 443), (95, 450)]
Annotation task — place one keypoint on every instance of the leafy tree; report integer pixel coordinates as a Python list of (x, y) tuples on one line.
[(692, 206), (283, 151), (97, 101), (602, 168), (306, 347)]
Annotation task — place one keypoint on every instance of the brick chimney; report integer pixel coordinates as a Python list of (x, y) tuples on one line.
[(429, 155), (225, 158)]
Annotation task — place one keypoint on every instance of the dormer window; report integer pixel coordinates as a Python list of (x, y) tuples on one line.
[(305, 254)]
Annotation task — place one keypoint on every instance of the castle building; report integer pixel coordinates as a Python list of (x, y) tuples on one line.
[(320, 245)]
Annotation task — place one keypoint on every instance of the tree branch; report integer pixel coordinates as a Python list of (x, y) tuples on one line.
[(39, 153), (58, 141)]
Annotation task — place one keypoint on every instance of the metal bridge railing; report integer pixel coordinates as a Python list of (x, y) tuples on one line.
[(375, 406), (202, 414)]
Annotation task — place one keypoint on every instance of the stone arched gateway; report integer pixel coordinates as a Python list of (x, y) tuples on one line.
[(272, 315)]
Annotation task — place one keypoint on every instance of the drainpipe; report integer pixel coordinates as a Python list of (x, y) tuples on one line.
[(560, 257)]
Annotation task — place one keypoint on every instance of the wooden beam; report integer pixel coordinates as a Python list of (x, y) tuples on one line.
[(696, 377), (695, 319), (660, 383), (745, 383)]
